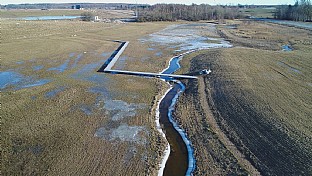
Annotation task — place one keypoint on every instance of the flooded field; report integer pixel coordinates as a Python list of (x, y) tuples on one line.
[(59, 110)]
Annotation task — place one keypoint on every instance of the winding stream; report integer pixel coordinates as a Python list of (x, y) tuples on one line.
[(179, 157), (181, 160)]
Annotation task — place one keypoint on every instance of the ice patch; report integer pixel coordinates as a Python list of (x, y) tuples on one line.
[(119, 109), (123, 133), (186, 37)]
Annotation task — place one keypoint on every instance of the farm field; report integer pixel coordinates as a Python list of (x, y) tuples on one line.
[(60, 117), (256, 104)]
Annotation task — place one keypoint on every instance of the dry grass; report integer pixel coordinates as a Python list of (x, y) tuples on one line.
[(103, 14), (260, 95), (52, 136)]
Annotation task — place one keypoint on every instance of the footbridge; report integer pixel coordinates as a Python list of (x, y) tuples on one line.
[(108, 65)]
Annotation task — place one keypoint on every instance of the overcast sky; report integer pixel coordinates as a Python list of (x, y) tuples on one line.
[(212, 2)]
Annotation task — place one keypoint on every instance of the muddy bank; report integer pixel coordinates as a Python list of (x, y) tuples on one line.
[(245, 123)]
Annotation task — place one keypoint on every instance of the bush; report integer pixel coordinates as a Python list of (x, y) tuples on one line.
[(87, 16)]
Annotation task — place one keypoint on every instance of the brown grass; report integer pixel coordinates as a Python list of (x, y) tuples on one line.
[(51, 136), (259, 96)]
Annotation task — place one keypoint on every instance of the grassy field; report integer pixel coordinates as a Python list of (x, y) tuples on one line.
[(259, 97), (66, 126), (258, 12)]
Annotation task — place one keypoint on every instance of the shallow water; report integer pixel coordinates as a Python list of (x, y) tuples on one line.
[(31, 18), (60, 68), (86, 109), (77, 59), (185, 37), (121, 63), (19, 81), (54, 92), (37, 68), (158, 53), (286, 48), (9, 78)]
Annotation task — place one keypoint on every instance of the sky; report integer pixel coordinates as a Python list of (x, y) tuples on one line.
[(211, 2)]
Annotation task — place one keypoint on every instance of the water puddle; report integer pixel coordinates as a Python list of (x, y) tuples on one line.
[(105, 54), (86, 109), (60, 68), (9, 78), (121, 63), (54, 92), (35, 18), (287, 48), (158, 54), (150, 49), (77, 59), (185, 37), (37, 68), (19, 81), (19, 62)]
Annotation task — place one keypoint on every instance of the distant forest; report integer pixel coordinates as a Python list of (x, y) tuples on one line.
[(301, 11), (173, 12)]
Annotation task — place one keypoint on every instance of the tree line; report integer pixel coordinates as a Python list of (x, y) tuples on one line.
[(300, 11), (174, 12)]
